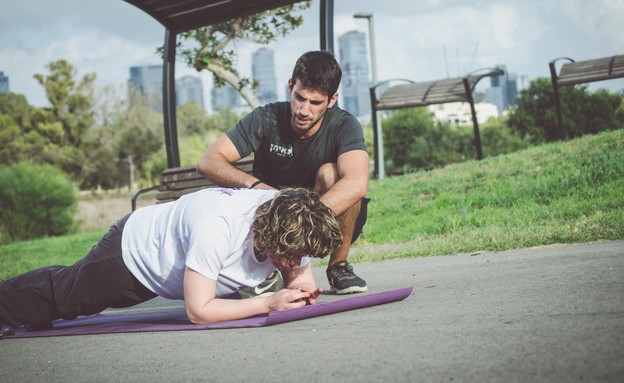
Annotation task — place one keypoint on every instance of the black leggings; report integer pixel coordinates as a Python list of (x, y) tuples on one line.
[(94, 283)]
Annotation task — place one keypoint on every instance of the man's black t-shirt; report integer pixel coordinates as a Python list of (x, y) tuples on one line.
[(283, 160)]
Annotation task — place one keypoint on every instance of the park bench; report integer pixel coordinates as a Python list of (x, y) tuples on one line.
[(176, 182), (582, 72), (415, 94)]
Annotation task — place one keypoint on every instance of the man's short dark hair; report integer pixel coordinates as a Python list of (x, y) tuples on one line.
[(318, 70)]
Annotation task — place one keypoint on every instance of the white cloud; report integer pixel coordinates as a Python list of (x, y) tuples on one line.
[(107, 37)]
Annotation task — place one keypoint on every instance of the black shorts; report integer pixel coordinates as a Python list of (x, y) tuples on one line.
[(361, 219)]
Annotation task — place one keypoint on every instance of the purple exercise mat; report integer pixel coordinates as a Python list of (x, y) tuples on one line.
[(177, 320)]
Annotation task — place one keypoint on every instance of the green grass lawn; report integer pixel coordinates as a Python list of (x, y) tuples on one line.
[(567, 192)]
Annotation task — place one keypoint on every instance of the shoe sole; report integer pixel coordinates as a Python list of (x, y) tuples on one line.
[(349, 290)]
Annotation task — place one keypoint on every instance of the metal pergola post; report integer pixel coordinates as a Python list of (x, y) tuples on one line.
[(327, 25), (169, 101)]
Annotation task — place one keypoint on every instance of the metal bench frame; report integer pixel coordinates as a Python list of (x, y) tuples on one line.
[(415, 94), (581, 72)]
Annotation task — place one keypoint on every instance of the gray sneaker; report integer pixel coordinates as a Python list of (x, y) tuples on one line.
[(343, 280), (267, 287)]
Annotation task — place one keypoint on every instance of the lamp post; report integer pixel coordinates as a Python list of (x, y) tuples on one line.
[(371, 37), (378, 139)]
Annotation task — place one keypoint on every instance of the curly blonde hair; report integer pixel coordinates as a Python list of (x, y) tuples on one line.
[(296, 221)]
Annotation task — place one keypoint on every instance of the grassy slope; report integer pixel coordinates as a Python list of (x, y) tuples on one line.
[(559, 193)]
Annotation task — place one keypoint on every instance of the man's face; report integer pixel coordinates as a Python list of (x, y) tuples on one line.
[(308, 106)]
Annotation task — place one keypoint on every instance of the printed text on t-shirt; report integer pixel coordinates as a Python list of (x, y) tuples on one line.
[(281, 151)]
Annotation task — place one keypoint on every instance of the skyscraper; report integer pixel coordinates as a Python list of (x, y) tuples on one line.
[(355, 81), (503, 91), (146, 81), (4, 83), (189, 89), (224, 97), (263, 71)]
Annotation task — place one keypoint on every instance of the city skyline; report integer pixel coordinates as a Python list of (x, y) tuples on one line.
[(422, 40)]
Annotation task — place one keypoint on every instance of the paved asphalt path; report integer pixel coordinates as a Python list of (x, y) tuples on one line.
[(549, 314)]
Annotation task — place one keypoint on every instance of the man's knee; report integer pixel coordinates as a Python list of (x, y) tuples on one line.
[(326, 177)]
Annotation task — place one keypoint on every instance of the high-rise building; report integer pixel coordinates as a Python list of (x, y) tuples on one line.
[(189, 89), (263, 71), (224, 97), (4, 83), (146, 81), (503, 91), (512, 89), (355, 83)]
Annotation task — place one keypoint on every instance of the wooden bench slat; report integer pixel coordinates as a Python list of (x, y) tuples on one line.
[(171, 195), (187, 184), (580, 72), (176, 182), (189, 173), (426, 93)]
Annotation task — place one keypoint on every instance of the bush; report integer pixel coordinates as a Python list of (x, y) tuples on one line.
[(413, 140), (497, 138), (35, 201), (584, 112)]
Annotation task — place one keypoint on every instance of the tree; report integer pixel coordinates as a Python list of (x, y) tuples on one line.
[(15, 121), (191, 119), (99, 169), (71, 101), (31, 134), (9, 136), (583, 112), (60, 128), (413, 140), (207, 47), (225, 120), (138, 136), (535, 116), (16, 106)]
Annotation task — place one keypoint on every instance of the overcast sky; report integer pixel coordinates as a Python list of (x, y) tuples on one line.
[(421, 40)]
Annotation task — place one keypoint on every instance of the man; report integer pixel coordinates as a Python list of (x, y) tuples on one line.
[(307, 142), (200, 248)]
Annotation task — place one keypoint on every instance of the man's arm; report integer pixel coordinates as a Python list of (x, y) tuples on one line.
[(352, 184), (202, 306), (216, 164)]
